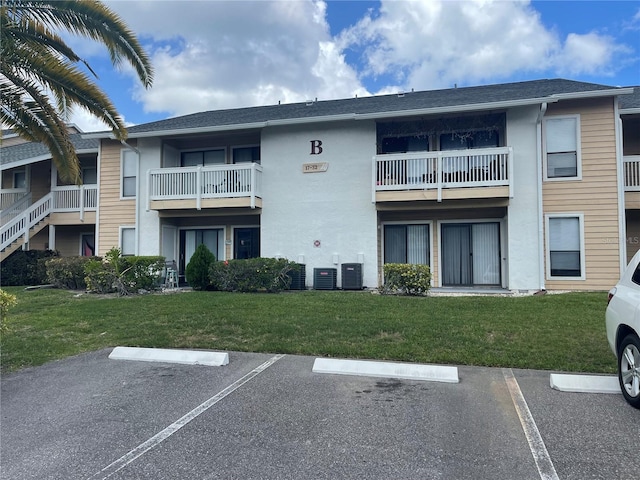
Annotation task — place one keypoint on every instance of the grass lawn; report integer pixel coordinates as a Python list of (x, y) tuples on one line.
[(552, 332)]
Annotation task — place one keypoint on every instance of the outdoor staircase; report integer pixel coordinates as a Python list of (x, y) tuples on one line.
[(17, 231)]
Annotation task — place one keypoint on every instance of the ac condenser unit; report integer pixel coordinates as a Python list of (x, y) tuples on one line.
[(325, 278), (298, 278), (352, 276)]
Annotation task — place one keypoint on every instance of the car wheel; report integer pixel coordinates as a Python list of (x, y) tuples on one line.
[(629, 369)]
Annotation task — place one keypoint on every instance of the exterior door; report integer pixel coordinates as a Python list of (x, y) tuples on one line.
[(190, 239), (246, 242), (471, 254)]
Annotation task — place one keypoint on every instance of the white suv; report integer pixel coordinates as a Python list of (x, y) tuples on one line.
[(623, 330)]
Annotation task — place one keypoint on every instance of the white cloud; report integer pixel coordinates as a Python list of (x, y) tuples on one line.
[(439, 43), (224, 54), (221, 54)]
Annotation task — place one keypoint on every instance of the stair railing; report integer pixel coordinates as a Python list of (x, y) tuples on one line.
[(21, 225)]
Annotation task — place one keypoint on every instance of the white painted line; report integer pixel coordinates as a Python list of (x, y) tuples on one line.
[(411, 371), (584, 383), (187, 357), (159, 437), (538, 449)]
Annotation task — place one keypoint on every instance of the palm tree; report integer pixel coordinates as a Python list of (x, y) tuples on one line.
[(37, 68)]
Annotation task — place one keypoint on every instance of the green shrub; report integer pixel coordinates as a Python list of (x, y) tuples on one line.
[(406, 279), (25, 267), (197, 270), (6, 301), (252, 275), (67, 272), (123, 275)]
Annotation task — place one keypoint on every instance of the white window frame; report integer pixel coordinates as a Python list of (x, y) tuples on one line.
[(580, 217), (578, 138), (126, 154), (122, 228)]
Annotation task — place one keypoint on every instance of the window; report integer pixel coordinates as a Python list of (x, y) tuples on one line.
[(246, 154), (129, 171), (204, 157), (406, 244), (20, 179), (89, 174), (413, 143), (562, 147), (565, 244), (127, 241)]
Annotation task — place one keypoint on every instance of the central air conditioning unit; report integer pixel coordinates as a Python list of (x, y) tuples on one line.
[(325, 278), (298, 278), (352, 276)]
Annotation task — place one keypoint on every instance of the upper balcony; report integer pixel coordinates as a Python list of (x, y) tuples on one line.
[(632, 181), (205, 187), (483, 173)]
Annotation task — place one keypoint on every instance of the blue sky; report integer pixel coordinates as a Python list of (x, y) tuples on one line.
[(215, 54)]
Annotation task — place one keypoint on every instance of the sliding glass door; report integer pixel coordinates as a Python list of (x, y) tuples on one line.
[(471, 254)]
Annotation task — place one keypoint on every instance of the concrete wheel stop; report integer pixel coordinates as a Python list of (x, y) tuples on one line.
[(409, 371), (186, 357)]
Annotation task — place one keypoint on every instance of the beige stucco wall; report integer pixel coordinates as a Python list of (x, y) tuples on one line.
[(595, 196)]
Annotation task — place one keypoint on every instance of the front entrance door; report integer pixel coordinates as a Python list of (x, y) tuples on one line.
[(190, 239), (471, 254), (246, 242)]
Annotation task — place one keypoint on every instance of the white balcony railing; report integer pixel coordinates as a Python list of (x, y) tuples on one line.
[(75, 198), (632, 173), (486, 167), (198, 183)]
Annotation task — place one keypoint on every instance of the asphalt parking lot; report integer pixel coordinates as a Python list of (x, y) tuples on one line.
[(270, 417)]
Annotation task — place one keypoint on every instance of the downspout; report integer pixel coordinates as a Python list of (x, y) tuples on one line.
[(622, 222), (542, 256)]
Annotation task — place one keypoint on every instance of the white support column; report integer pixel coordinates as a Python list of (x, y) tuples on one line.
[(52, 237)]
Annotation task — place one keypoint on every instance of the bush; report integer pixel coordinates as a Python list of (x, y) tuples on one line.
[(123, 275), (67, 272), (26, 267), (197, 270), (406, 279), (252, 275), (6, 301)]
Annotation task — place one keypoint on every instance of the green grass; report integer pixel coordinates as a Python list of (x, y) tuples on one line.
[(552, 332)]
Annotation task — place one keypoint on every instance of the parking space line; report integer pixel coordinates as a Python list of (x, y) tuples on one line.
[(158, 438), (538, 449)]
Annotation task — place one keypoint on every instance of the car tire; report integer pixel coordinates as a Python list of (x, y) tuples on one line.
[(629, 369)]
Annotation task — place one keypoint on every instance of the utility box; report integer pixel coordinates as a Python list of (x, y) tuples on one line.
[(325, 278), (352, 276), (298, 278)]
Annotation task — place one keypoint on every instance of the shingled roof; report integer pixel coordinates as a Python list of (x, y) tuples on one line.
[(24, 152), (631, 102), (406, 102)]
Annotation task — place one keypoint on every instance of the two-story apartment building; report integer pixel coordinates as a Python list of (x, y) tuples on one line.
[(521, 186)]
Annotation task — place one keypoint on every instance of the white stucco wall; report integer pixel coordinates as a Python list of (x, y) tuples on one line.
[(148, 231), (523, 249), (333, 208)]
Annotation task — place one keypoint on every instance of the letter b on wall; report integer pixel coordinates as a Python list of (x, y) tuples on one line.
[(316, 147)]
